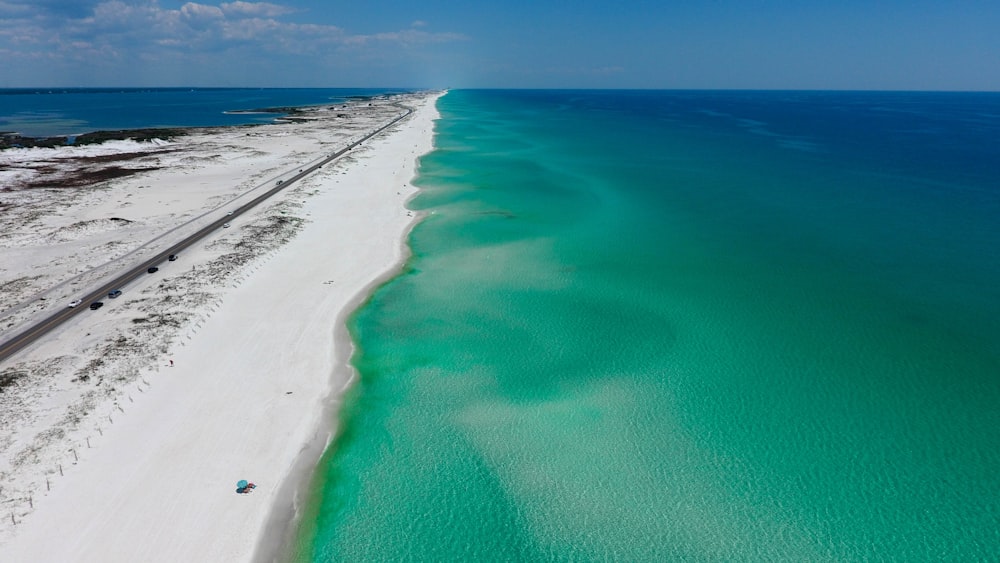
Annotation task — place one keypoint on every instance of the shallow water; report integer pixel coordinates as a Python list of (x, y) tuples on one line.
[(683, 326)]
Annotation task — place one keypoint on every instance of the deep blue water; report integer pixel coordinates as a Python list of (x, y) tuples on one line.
[(72, 111), (683, 326)]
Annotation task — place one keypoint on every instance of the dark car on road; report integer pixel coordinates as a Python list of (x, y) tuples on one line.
[(172, 257), (152, 269), (96, 305), (114, 293)]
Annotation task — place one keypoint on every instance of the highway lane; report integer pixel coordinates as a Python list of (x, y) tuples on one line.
[(39, 329)]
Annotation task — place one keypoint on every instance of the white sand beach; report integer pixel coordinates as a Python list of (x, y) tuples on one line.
[(110, 453)]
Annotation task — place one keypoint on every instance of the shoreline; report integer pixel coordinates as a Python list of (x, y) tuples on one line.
[(275, 543), (198, 416)]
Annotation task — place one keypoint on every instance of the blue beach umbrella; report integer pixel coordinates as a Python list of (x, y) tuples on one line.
[(242, 484)]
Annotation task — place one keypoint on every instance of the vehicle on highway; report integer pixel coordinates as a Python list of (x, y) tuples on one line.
[(152, 269), (172, 257), (75, 302), (9, 346), (230, 213), (226, 226), (114, 293), (96, 305)]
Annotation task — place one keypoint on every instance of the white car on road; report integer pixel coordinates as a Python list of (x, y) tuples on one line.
[(75, 303)]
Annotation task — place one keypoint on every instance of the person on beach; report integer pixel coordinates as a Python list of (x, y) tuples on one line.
[(171, 363)]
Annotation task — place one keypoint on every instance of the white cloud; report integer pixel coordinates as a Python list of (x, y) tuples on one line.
[(249, 29), (254, 9), (194, 11), (414, 37), (10, 9), (122, 37), (119, 24)]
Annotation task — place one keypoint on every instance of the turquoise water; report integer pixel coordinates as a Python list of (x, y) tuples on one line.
[(700, 326)]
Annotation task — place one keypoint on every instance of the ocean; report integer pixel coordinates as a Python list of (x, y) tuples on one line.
[(682, 325), (50, 112)]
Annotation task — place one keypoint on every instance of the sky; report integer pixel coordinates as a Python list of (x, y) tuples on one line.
[(710, 44)]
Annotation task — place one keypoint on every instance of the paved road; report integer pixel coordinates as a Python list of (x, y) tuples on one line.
[(36, 331)]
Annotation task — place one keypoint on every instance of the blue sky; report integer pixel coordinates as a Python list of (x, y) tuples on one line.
[(759, 44)]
